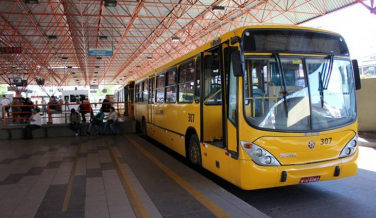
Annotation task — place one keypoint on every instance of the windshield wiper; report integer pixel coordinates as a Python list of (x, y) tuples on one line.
[(282, 79), (324, 83)]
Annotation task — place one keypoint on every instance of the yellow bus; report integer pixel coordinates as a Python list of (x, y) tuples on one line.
[(260, 106)]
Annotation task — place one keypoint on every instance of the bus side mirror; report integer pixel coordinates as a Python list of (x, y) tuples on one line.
[(356, 74), (236, 63)]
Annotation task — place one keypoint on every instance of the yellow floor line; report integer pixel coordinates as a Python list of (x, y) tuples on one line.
[(134, 200), (214, 208), (70, 183)]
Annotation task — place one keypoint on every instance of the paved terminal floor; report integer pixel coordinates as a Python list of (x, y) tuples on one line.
[(106, 176)]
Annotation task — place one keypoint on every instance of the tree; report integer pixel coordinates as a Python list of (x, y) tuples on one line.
[(3, 89), (100, 95)]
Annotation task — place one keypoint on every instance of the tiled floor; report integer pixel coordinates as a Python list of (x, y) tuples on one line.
[(106, 177)]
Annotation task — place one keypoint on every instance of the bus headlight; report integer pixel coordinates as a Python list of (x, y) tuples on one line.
[(259, 155), (350, 147)]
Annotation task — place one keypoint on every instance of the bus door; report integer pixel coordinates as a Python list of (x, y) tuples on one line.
[(212, 98), (230, 97), (150, 127), (214, 122), (130, 99)]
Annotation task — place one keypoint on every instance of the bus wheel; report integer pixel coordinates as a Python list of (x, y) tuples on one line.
[(144, 134), (194, 150)]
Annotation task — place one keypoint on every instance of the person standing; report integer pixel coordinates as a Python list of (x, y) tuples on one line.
[(66, 99), (112, 118), (44, 107), (4, 102), (106, 104), (74, 121), (35, 123), (54, 104)]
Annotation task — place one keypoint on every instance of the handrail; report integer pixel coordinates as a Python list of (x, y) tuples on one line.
[(210, 97)]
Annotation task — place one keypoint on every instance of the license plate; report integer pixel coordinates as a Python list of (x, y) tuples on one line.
[(310, 179)]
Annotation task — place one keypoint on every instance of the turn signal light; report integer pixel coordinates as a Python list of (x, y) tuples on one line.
[(249, 146)]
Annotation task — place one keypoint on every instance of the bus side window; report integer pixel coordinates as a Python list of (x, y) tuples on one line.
[(151, 90), (160, 88), (171, 85), (145, 91), (186, 82), (141, 93), (198, 78), (136, 91)]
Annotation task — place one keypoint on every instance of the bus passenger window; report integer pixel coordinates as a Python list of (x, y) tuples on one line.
[(171, 85), (186, 82), (136, 90), (141, 91), (145, 91), (160, 88), (151, 90), (198, 78)]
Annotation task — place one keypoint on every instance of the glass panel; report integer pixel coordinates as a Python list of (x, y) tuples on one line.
[(160, 88), (136, 90), (336, 105), (145, 91), (266, 107), (171, 94), (186, 92), (151, 90), (186, 82), (212, 78), (232, 95), (198, 73), (171, 85), (171, 77)]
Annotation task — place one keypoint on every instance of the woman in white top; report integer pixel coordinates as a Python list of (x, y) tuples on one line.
[(35, 123), (112, 118)]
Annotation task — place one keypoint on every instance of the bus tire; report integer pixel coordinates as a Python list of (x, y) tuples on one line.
[(143, 128), (194, 150)]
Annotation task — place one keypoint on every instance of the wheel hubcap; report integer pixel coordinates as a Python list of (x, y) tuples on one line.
[(194, 153)]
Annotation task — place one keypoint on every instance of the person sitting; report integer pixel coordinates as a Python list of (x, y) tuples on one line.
[(15, 109), (74, 121), (112, 118), (35, 123), (27, 109), (83, 109), (96, 121)]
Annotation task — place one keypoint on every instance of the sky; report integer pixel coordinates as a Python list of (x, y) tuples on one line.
[(356, 24)]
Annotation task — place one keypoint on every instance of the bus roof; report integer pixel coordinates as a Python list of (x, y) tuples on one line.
[(225, 37)]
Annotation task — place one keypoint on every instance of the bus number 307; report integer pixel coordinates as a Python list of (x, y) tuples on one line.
[(326, 141), (191, 118)]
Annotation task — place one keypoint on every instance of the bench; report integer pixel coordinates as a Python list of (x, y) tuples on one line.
[(56, 130), (16, 131)]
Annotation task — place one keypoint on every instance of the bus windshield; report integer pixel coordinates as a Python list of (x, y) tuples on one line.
[(308, 107)]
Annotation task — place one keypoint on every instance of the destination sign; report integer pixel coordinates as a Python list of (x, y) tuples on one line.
[(100, 53)]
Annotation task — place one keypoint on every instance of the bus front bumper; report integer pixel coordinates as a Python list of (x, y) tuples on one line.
[(254, 176)]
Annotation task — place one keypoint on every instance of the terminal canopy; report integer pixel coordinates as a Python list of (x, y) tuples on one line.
[(91, 42)]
